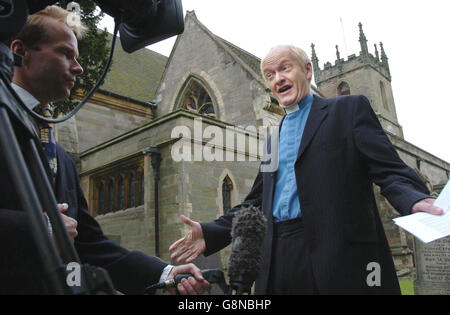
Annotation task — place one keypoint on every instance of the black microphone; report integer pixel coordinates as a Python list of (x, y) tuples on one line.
[(247, 232), (210, 275)]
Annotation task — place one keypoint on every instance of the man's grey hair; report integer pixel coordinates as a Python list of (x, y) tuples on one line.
[(299, 54)]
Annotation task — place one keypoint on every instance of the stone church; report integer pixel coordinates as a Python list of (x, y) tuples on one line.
[(126, 140)]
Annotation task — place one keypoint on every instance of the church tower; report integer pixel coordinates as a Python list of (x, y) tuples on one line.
[(364, 74)]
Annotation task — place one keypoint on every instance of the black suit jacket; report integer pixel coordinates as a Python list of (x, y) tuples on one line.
[(343, 151), (20, 267)]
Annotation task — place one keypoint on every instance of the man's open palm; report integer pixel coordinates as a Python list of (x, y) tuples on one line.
[(192, 245)]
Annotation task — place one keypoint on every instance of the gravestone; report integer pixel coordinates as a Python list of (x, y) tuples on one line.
[(432, 264), (433, 267)]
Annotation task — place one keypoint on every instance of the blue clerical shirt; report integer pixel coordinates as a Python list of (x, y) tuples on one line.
[(286, 205)]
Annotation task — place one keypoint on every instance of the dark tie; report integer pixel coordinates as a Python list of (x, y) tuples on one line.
[(48, 140)]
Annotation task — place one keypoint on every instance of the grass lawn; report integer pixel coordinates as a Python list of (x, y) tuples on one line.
[(407, 287)]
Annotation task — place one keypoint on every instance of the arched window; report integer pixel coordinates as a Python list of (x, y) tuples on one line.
[(118, 187), (343, 89), (227, 187), (131, 191), (141, 188), (121, 188), (101, 198), (383, 96), (197, 99), (110, 204)]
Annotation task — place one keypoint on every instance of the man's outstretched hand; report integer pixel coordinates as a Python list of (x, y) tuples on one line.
[(192, 245)]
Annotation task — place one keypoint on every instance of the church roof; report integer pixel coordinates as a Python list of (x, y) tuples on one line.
[(138, 75), (252, 61), (135, 76), (248, 60)]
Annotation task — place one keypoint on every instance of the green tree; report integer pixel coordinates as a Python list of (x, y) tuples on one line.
[(94, 52)]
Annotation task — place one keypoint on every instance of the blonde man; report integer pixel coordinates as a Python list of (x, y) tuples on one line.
[(49, 47)]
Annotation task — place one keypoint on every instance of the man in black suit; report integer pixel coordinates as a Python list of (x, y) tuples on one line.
[(324, 233), (48, 45)]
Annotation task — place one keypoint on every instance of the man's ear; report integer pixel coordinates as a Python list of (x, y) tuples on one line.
[(18, 47), (309, 71)]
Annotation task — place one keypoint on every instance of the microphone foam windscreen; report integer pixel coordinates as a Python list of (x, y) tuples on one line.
[(248, 232)]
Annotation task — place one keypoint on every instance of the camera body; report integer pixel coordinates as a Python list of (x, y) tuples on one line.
[(142, 22)]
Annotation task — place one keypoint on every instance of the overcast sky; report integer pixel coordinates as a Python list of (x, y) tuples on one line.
[(415, 35)]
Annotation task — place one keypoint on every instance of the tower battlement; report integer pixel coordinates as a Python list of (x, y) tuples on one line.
[(353, 62), (366, 74)]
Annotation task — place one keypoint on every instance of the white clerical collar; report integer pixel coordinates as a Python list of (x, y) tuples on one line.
[(29, 100), (308, 99), (292, 109)]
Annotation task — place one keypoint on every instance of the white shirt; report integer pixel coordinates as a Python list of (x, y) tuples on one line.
[(29, 100)]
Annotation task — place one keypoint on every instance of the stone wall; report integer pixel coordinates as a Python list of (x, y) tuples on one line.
[(238, 98), (365, 80), (100, 121), (191, 188)]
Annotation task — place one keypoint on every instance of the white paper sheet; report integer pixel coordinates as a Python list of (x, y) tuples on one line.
[(428, 227), (443, 201)]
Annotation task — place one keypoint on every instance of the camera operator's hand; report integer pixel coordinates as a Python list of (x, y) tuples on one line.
[(195, 285), (70, 223)]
